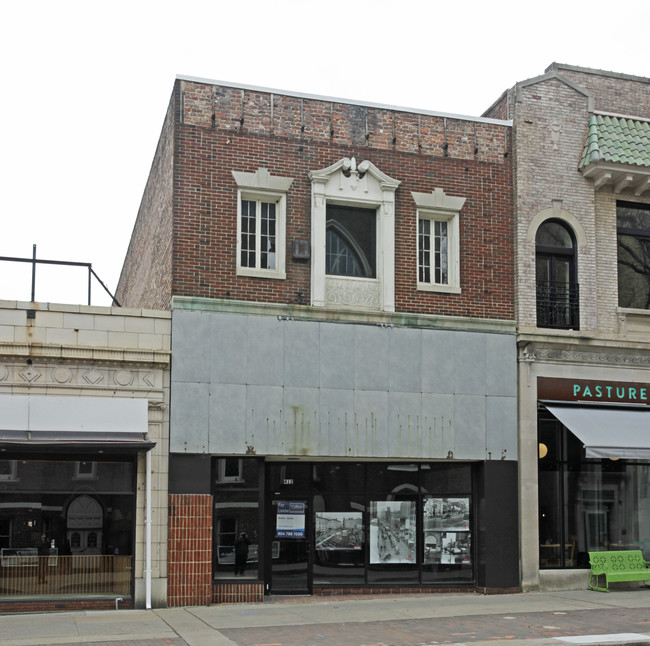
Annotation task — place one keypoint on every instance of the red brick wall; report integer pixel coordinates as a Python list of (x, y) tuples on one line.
[(189, 581), (238, 592), (146, 275), (227, 129)]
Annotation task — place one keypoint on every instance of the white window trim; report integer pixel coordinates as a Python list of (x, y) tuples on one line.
[(446, 208), (263, 186), (221, 471), (361, 186)]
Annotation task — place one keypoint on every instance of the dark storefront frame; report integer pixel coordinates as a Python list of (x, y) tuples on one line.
[(352, 494)]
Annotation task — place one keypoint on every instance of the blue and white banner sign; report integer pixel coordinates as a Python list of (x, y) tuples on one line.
[(290, 522)]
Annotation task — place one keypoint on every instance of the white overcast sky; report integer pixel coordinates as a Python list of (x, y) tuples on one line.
[(85, 86)]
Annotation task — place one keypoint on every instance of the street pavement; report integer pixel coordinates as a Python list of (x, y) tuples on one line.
[(566, 618)]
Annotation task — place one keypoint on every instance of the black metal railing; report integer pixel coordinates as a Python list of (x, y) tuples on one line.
[(38, 261), (558, 305)]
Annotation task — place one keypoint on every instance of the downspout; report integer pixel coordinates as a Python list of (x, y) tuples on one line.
[(147, 534)]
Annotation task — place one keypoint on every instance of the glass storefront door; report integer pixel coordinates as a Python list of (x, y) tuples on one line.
[(290, 553)]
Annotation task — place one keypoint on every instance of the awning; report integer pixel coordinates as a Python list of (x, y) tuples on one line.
[(75, 424), (608, 432)]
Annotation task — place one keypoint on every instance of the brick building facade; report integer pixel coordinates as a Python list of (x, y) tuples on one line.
[(341, 279), (582, 169)]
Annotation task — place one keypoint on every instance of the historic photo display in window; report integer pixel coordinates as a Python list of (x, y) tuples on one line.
[(447, 538), (450, 514), (392, 532), (339, 530), (447, 548)]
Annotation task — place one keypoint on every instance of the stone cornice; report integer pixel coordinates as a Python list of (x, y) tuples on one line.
[(306, 313), (159, 358), (603, 354)]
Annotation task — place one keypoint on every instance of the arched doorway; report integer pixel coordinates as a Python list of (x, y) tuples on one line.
[(84, 525)]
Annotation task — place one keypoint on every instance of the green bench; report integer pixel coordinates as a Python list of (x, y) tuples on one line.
[(621, 565)]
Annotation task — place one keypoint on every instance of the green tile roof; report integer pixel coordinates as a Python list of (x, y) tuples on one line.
[(617, 140)]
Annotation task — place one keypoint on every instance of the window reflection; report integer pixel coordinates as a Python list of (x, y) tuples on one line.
[(587, 504)]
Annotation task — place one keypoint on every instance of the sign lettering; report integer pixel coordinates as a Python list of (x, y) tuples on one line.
[(591, 390)]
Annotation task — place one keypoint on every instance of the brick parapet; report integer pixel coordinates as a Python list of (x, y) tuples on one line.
[(319, 120)]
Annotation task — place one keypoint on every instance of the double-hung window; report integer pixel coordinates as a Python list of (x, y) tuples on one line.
[(261, 221), (438, 259)]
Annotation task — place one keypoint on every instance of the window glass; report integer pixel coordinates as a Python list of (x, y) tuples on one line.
[(392, 535), (433, 251), (236, 517), (443, 478), (290, 477), (398, 478), (258, 225), (45, 499), (447, 539), (588, 504), (340, 540), (633, 222), (339, 476), (54, 476), (557, 287), (351, 241), (553, 234)]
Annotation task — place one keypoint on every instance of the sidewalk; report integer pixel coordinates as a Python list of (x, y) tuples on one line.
[(528, 619)]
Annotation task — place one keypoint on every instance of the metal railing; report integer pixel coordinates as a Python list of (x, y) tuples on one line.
[(58, 575), (558, 305), (38, 261)]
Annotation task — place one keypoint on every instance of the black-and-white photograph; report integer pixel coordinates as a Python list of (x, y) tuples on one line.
[(447, 548), (449, 514), (339, 530), (392, 532)]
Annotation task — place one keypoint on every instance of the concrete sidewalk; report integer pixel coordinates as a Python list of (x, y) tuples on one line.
[(533, 619)]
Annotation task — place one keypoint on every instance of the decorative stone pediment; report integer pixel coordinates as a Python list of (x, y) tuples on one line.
[(363, 185), (345, 179)]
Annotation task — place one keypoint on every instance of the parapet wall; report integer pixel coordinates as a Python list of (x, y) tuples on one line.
[(332, 121)]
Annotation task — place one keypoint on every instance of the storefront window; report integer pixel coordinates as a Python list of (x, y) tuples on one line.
[(63, 529), (236, 517), (447, 538), (371, 523), (340, 543), (587, 504), (392, 540)]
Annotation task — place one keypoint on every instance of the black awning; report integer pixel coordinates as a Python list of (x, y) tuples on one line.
[(71, 447)]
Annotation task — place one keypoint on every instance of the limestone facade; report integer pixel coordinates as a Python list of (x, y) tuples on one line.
[(77, 351)]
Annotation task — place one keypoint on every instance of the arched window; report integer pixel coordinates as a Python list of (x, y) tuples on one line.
[(345, 255), (557, 286)]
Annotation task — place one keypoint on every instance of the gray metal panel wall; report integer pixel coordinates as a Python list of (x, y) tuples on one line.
[(249, 383)]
